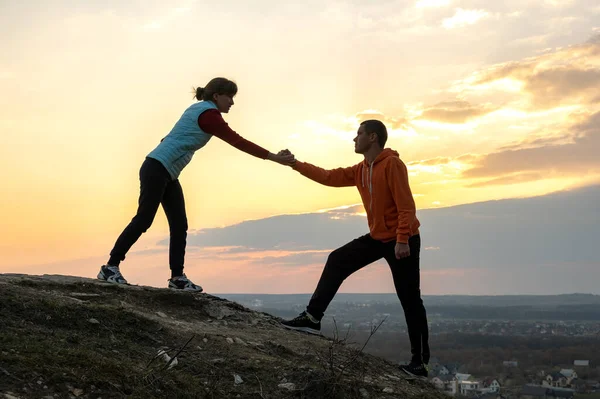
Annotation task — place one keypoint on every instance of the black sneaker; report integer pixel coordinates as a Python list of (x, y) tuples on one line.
[(111, 274), (415, 369), (303, 323), (183, 283)]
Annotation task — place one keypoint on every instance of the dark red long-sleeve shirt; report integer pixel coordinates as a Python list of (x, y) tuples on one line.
[(211, 122)]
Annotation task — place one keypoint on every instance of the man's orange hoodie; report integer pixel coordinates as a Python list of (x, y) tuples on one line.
[(383, 186)]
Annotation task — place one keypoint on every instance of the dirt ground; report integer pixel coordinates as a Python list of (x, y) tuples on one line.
[(70, 337)]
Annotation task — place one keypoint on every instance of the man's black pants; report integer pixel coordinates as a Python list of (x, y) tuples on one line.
[(363, 251)]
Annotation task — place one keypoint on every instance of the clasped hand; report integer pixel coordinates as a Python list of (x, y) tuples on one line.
[(284, 157)]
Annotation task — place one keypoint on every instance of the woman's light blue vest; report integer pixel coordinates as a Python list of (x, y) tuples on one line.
[(176, 150)]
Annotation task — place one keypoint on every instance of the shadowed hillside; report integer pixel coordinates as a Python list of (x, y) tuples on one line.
[(63, 337)]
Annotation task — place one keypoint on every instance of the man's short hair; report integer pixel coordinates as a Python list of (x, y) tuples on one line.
[(377, 127)]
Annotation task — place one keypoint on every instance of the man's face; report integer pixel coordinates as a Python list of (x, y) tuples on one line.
[(363, 140)]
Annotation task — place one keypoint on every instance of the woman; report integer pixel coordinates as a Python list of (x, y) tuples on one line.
[(159, 174)]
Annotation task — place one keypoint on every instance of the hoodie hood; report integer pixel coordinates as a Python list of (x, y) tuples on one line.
[(387, 152), (367, 170)]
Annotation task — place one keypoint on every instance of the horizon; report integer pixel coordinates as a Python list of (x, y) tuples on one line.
[(485, 102)]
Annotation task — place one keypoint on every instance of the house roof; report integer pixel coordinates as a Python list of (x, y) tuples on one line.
[(489, 381), (557, 376), (567, 372), (581, 363)]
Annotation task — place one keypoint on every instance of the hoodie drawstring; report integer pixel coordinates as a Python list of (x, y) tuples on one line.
[(363, 177), (371, 185)]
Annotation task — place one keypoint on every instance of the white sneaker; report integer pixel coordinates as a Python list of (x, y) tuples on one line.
[(111, 274), (183, 283)]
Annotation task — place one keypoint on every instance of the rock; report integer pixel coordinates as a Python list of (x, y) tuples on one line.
[(84, 294), (239, 341), (237, 379), (218, 361), (392, 377), (174, 363), (288, 385), (218, 312), (161, 314), (93, 321), (363, 393), (9, 395), (204, 340), (229, 340), (388, 390), (77, 392), (164, 355), (368, 379)]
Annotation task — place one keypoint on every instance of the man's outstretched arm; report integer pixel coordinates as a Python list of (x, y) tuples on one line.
[(339, 177)]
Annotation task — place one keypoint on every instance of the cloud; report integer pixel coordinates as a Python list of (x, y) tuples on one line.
[(549, 87), (559, 3), (569, 75), (463, 18), (575, 157), (432, 3), (390, 121), (535, 40), (431, 162), (454, 112), (166, 17), (512, 179), (567, 78), (307, 232), (448, 235), (439, 161), (296, 259)]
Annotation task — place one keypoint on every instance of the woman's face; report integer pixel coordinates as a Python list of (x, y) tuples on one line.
[(223, 102)]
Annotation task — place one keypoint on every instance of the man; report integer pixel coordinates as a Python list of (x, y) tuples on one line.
[(382, 181)]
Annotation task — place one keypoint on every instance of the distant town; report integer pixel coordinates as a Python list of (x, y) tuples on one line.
[(483, 347)]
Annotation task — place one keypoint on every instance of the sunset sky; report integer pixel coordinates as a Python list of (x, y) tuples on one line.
[(483, 100)]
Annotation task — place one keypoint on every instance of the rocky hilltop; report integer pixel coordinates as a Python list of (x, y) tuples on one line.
[(71, 337)]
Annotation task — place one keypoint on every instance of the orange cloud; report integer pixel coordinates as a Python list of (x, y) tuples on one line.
[(576, 157), (454, 112), (390, 121), (565, 76)]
